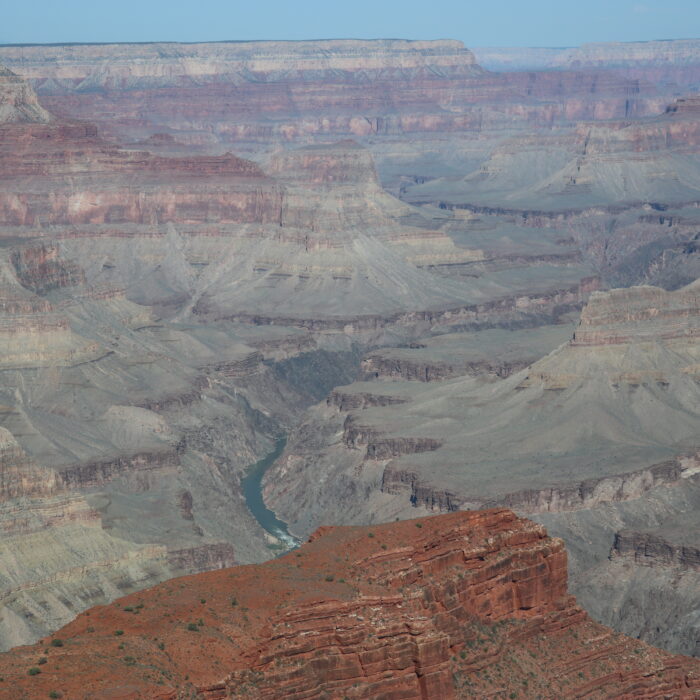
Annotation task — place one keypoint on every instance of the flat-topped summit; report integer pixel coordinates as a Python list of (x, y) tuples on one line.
[(85, 66)]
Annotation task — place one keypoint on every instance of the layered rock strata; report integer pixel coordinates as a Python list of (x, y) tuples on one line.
[(463, 605)]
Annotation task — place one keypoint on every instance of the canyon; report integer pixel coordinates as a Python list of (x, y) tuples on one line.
[(453, 280)]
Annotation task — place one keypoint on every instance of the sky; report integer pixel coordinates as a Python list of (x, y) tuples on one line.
[(482, 23)]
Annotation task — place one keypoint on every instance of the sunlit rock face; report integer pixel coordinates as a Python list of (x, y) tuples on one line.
[(455, 606)]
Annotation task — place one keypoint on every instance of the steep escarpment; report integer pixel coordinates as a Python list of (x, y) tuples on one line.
[(462, 605)]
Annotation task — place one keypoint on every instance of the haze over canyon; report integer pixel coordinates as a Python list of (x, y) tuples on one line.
[(259, 293)]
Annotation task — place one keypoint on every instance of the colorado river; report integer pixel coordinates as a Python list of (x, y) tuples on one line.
[(252, 491)]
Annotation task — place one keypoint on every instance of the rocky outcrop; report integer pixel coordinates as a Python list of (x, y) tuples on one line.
[(496, 351), (407, 482), (118, 186), (206, 557), (640, 314), (98, 473), (349, 401), (588, 494), (593, 492), (18, 102), (463, 605), (380, 447), (41, 268), (649, 549)]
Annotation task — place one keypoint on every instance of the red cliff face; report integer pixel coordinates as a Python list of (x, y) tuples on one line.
[(470, 604)]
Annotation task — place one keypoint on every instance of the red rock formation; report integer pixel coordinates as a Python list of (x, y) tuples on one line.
[(471, 604)]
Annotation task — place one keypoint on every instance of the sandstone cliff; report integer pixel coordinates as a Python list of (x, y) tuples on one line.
[(462, 605)]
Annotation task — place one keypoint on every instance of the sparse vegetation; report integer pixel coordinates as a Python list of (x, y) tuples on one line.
[(192, 627), (34, 670), (56, 642)]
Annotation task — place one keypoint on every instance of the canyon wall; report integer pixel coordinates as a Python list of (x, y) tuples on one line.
[(457, 606)]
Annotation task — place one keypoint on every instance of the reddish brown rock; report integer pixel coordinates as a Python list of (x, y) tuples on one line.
[(471, 604)]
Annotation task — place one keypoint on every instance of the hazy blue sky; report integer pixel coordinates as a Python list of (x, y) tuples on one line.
[(482, 23)]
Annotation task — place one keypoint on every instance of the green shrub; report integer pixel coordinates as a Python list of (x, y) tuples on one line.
[(56, 642), (118, 633), (34, 671), (192, 627)]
